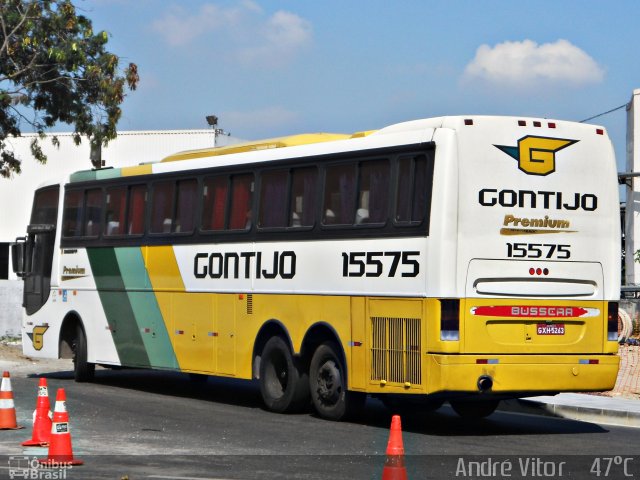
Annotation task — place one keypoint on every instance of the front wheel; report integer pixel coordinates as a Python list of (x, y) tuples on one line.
[(474, 409), (284, 384), (328, 384), (83, 371)]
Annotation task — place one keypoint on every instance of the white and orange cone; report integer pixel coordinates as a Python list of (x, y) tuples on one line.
[(8, 419), (41, 418), (60, 451)]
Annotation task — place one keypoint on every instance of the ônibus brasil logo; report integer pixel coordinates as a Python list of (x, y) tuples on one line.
[(536, 155)]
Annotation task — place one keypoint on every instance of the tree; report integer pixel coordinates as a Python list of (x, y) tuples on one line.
[(54, 68)]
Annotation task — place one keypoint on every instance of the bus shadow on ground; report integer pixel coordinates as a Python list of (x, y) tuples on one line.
[(245, 393)]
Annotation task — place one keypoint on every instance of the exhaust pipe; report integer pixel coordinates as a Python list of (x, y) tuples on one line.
[(485, 382)]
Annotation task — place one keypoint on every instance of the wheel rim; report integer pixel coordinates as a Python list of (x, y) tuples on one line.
[(329, 383)]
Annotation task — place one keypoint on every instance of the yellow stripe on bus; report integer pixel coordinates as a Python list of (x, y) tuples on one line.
[(166, 282), (137, 170)]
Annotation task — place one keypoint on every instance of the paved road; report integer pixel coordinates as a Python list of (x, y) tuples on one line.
[(162, 425)]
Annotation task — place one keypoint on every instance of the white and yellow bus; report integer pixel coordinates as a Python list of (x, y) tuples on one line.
[(461, 259)]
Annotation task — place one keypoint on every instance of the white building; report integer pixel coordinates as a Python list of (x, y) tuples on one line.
[(16, 194)]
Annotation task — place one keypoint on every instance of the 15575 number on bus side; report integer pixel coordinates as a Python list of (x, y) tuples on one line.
[(538, 250), (377, 264)]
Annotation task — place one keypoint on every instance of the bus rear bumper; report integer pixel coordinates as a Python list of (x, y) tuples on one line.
[(522, 373)]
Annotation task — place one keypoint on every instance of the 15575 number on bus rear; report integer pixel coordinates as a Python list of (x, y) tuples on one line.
[(378, 264), (538, 250)]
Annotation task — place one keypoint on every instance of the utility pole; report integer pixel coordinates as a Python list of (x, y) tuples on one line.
[(632, 208)]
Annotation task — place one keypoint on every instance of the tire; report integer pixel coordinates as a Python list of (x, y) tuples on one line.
[(83, 371), (328, 385), (474, 409), (284, 384)]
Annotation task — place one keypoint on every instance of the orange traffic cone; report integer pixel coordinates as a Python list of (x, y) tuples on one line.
[(60, 451), (394, 468), (7, 407), (41, 418)]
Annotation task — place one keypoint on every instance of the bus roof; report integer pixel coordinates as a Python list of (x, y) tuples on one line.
[(278, 142)]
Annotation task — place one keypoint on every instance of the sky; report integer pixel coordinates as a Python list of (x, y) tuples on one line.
[(272, 68)]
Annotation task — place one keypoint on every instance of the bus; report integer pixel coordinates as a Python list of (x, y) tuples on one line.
[(466, 259)]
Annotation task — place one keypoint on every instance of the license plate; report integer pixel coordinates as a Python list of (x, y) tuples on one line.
[(551, 329)]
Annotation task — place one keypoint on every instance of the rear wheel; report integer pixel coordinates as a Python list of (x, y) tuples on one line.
[(83, 371), (328, 384), (284, 384), (474, 409)]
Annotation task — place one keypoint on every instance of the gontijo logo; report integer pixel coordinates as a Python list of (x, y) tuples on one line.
[(536, 155)]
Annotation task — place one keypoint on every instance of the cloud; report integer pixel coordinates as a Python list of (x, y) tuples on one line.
[(242, 33), (524, 64)]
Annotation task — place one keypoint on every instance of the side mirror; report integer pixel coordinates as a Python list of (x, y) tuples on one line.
[(19, 256)]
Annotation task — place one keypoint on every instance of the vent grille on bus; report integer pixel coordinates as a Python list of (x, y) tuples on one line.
[(249, 304), (395, 351)]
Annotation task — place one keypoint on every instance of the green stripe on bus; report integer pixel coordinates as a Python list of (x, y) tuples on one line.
[(83, 176), (145, 308), (117, 307), (107, 173), (90, 175)]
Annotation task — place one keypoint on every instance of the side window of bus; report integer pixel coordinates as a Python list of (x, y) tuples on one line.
[(214, 200), (185, 206), (72, 214), (339, 195), (240, 214), (115, 207), (93, 212), (162, 207), (273, 199), (412, 190), (349, 202), (136, 209), (373, 195), (304, 186)]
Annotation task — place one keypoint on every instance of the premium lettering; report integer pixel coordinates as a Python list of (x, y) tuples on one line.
[(546, 222), (73, 271)]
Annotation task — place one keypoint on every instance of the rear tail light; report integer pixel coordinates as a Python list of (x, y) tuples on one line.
[(450, 320), (612, 322)]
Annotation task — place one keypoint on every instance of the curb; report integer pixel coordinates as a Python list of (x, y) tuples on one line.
[(602, 411)]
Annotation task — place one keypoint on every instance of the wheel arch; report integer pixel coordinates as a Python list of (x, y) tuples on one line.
[(68, 332), (317, 334), (270, 328)]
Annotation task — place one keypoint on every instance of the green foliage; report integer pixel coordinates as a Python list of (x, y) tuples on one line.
[(54, 68)]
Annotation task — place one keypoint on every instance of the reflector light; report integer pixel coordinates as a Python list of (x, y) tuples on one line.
[(538, 271), (552, 125), (485, 361), (537, 124), (468, 121), (589, 361), (522, 123), (599, 131)]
